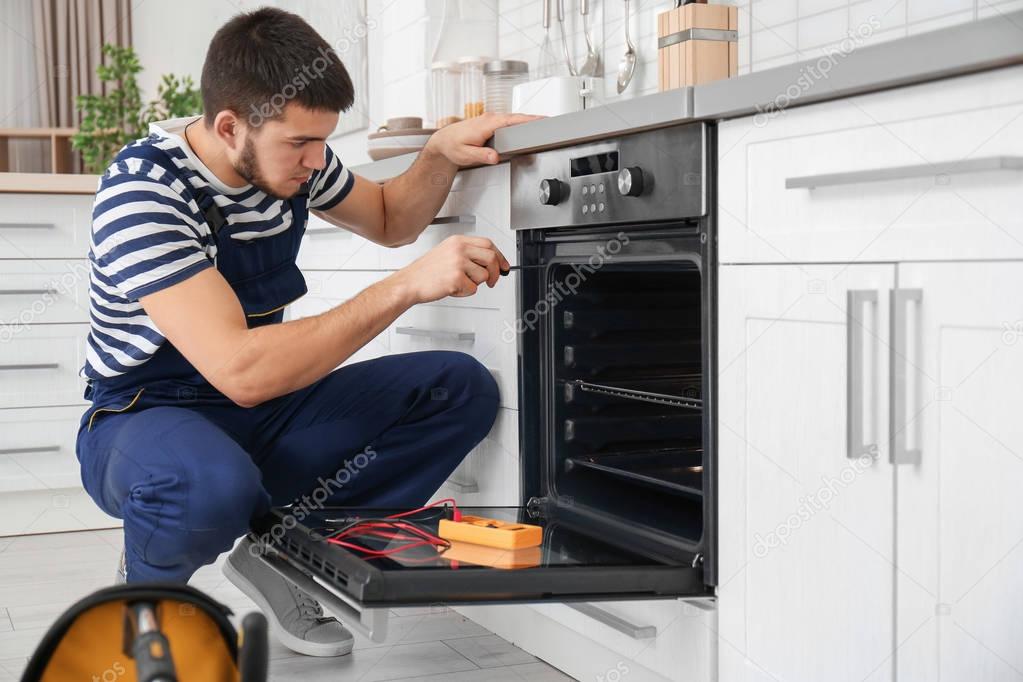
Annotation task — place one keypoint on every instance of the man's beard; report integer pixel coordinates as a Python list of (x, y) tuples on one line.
[(248, 168)]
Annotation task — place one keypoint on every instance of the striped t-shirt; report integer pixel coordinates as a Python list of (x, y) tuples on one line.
[(148, 233)]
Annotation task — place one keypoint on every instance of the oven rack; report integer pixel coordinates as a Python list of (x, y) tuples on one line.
[(636, 394)]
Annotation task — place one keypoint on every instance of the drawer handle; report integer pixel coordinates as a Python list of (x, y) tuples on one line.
[(27, 226), (454, 220), (29, 450), (328, 230), (462, 487), (614, 622), (990, 163), (439, 334), (26, 292), (29, 365)]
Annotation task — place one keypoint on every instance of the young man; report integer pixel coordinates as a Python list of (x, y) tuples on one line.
[(208, 409)]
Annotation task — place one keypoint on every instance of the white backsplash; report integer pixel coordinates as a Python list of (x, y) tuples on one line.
[(771, 32)]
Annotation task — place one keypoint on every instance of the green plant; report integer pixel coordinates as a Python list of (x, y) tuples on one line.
[(113, 119)]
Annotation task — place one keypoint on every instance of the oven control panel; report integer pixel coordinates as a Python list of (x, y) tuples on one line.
[(647, 176)]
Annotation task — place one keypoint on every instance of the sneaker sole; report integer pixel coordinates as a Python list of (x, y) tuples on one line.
[(286, 638)]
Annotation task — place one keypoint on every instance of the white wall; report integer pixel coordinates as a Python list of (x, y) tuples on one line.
[(400, 43), (783, 31)]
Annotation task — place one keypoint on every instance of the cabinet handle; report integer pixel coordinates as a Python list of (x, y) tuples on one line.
[(438, 334), (990, 163), (900, 298), (29, 365), (855, 342), (29, 450), (27, 226), (26, 292), (614, 622), (453, 220)]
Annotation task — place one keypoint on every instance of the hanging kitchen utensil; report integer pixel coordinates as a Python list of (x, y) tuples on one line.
[(546, 65), (627, 65), (592, 63), (564, 38)]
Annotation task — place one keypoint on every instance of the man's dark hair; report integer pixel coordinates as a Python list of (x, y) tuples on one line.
[(260, 61)]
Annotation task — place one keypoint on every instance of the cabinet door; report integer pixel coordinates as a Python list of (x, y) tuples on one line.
[(960, 521), (805, 529)]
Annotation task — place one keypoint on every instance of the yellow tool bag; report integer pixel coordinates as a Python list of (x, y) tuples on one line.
[(150, 632)]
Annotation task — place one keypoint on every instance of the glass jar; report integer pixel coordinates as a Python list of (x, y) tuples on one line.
[(445, 94), (472, 85), (499, 77)]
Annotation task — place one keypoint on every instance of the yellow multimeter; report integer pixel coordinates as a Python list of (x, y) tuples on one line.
[(480, 530)]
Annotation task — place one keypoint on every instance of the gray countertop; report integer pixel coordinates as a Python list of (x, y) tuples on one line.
[(967, 48)]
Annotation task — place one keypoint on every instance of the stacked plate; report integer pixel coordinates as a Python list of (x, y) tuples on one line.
[(388, 142)]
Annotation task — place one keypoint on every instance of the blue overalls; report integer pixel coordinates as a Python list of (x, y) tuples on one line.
[(186, 468)]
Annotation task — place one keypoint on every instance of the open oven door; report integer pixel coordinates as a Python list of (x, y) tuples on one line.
[(568, 566)]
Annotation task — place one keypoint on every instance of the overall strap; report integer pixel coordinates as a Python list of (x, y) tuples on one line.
[(204, 200)]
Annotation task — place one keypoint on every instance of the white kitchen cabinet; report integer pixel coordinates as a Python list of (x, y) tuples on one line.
[(927, 172), (40, 365), (45, 225), (329, 247), (489, 474), (960, 521), (38, 291), (650, 641), (488, 335), (805, 520)]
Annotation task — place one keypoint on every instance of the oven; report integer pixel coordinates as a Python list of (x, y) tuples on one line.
[(615, 341)]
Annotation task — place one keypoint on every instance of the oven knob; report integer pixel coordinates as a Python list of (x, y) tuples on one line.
[(630, 181), (551, 191)]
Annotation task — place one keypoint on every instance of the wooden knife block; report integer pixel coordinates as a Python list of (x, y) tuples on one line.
[(696, 59)]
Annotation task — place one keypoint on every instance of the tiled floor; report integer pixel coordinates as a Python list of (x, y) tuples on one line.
[(41, 575)]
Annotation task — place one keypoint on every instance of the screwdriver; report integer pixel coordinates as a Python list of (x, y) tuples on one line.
[(523, 267)]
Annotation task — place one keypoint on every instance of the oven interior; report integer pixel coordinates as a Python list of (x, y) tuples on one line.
[(616, 397), (625, 408)]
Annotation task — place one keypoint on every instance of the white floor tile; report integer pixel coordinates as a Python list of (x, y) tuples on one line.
[(490, 651)]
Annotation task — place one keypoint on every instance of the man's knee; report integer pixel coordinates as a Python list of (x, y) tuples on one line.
[(462, 376), (472, 390), (195, 499)]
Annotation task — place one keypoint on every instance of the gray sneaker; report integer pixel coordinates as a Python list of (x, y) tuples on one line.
[(296, 618)]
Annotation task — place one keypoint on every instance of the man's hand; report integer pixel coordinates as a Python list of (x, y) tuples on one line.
[(455, 267), (462, 143)]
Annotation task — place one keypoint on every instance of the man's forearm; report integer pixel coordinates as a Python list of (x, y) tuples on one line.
[(412, 199), (280, 358)]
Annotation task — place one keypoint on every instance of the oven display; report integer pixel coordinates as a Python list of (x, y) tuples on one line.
[(594, 163)]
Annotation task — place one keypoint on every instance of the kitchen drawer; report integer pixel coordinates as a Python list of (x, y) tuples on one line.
[(328, 289), (487, 335), (866, 179), (683, 650), (34, 291), (489, 474), (328, 247), (37, 448), (45, 225), (484, 176), (40, 366), (671, 637), (475, 211)]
